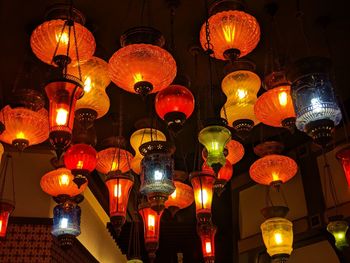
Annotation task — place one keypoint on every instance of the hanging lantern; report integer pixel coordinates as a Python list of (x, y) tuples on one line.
[(315, 104), (113, 159), (119, 186), (235, 151), (151, 223), (157, 173), (140, 137), (81, 159), (338, 228), (59, 184), (60, 35), (344, 157), (224, 175), (66, 223), (233, 33), (272, 168), (214, 139), (95, 102), (202, 183), (22, 126), (5, 211), (181, 198), (142, 65), (174, 104), (207, 233)]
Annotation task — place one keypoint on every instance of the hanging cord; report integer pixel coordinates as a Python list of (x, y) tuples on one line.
[(328, 175), (300, 17), (172, 25)]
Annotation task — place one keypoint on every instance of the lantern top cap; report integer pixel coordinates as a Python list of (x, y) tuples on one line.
[(65, 12), (275, 79), (267, 148), (274, 211), (226, 5), (156, 147), (239, 64), (201, 173), (215, 122), (142, 35)]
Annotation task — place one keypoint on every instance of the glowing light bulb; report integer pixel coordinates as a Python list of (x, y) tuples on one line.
[(87, 84), (283, 98), (0, 225), (278, 238), (173, 195), (80, 164), (61, 116), (64, 223), (117, 190), (63, 180), (275, 177), (158, 175), (229, 33), (63, 39), (215, 146), (242, 93), (203, 196), (208, 247), (151, 222), (316, 105), (138, 77), (339, 236), (20, 135)]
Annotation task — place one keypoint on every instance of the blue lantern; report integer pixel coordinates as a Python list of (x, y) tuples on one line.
[(314, 99), (66, 223), (157, 173)]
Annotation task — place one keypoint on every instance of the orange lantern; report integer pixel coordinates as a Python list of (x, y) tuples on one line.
[(181, 198), (119, 187), (113, 159), (202, 183), (233, 33), (224, 175), (5, 211), (207, 233), (151, 223), (24, 127), (59, 182), (142, 66), (344, 157), (62, 33), (235, 151)]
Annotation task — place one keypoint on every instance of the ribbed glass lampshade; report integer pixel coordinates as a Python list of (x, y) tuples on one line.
[(80, 157), (96, 100), (113, 159), (235, 111), (182, 197), (235, 151)]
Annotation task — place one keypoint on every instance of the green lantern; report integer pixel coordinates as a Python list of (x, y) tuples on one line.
[(214, 139), (338, 229)]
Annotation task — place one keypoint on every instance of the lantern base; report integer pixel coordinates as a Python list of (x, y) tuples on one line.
[(320, 131), (61, 61), (66, 241), (2, 127), (60, 140), (79, 178), (157, 201), (117, 222), (20, 144), (274, 211), (232, 54), (289, 124), (175, 120), (86, 117), (242, 127), (143, 87), (219, 186), (151, 248), (204, 218), (279, 258)]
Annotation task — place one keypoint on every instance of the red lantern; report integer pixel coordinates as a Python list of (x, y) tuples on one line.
[(224, 175), (181, 198), (207, 234), (5, 211), (119, 187), (174, 104), (81, 159), (151, 223), (344, 157)]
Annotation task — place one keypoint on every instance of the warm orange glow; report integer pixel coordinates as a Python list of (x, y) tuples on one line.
[(241, 94), (208, 247), (151, 223), (138, 77), (62, 38), (229, 33), (235, 151), (87, 84), (5, 211), (182, 197), (202, 196), (113, 159), (63, 180), (117, 190), (80, 164), (20, 135), (173, 195), (61, 116), (207, 233), (283, 98)]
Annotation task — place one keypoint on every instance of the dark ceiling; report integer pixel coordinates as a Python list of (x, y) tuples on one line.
[(109, 19)]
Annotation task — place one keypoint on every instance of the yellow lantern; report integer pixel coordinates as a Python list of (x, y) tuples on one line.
[(140, 137), (338, 229)]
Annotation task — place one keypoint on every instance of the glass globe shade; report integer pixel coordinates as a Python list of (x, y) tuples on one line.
[(338, 229), (234, 112), (113, 159), (235, 151), (96, 100), (182, 197), (80, 157)]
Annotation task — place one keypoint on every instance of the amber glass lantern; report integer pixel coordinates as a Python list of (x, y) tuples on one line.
[(24, 127), (63, 31), (207, 233), (338, 228), (139, 137), (203, 183), (81, 159), (181, 198), (113, 159), (174, 104), (235, 151), (5, 211), (344, 157), (151, 224), (142, 65), (233, 33), (277, 233)]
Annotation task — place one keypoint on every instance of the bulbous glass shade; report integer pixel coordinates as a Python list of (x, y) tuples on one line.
[(338, 229), (202, 183), (174, 101), (140, 137), (66, 220), (24, 124), (137, 63), (151, 223), (5, 211), (81, 157), (113, 159), (46, 36), (234, 112), (231, 30), (214, 138), (344, 157), (275, 106), (119, 190), (182, 197), (277, 234), (235, 151), (207, 236), (273, 168), (96, 100), (60, 182)]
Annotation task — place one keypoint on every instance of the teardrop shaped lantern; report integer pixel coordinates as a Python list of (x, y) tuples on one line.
[(5, 210), (22, 126), (113, 159), (315, 103), (64, 30), (157, 173), (181, 198), (207, 233), (81, 159), (233, 33), (140, 137), (142, 66), (344, 157)]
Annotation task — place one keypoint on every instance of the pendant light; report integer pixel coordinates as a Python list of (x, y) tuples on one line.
[(343, 156), (207, 233), (338, 227), (113, 159), (235, 151), (233, 32)]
